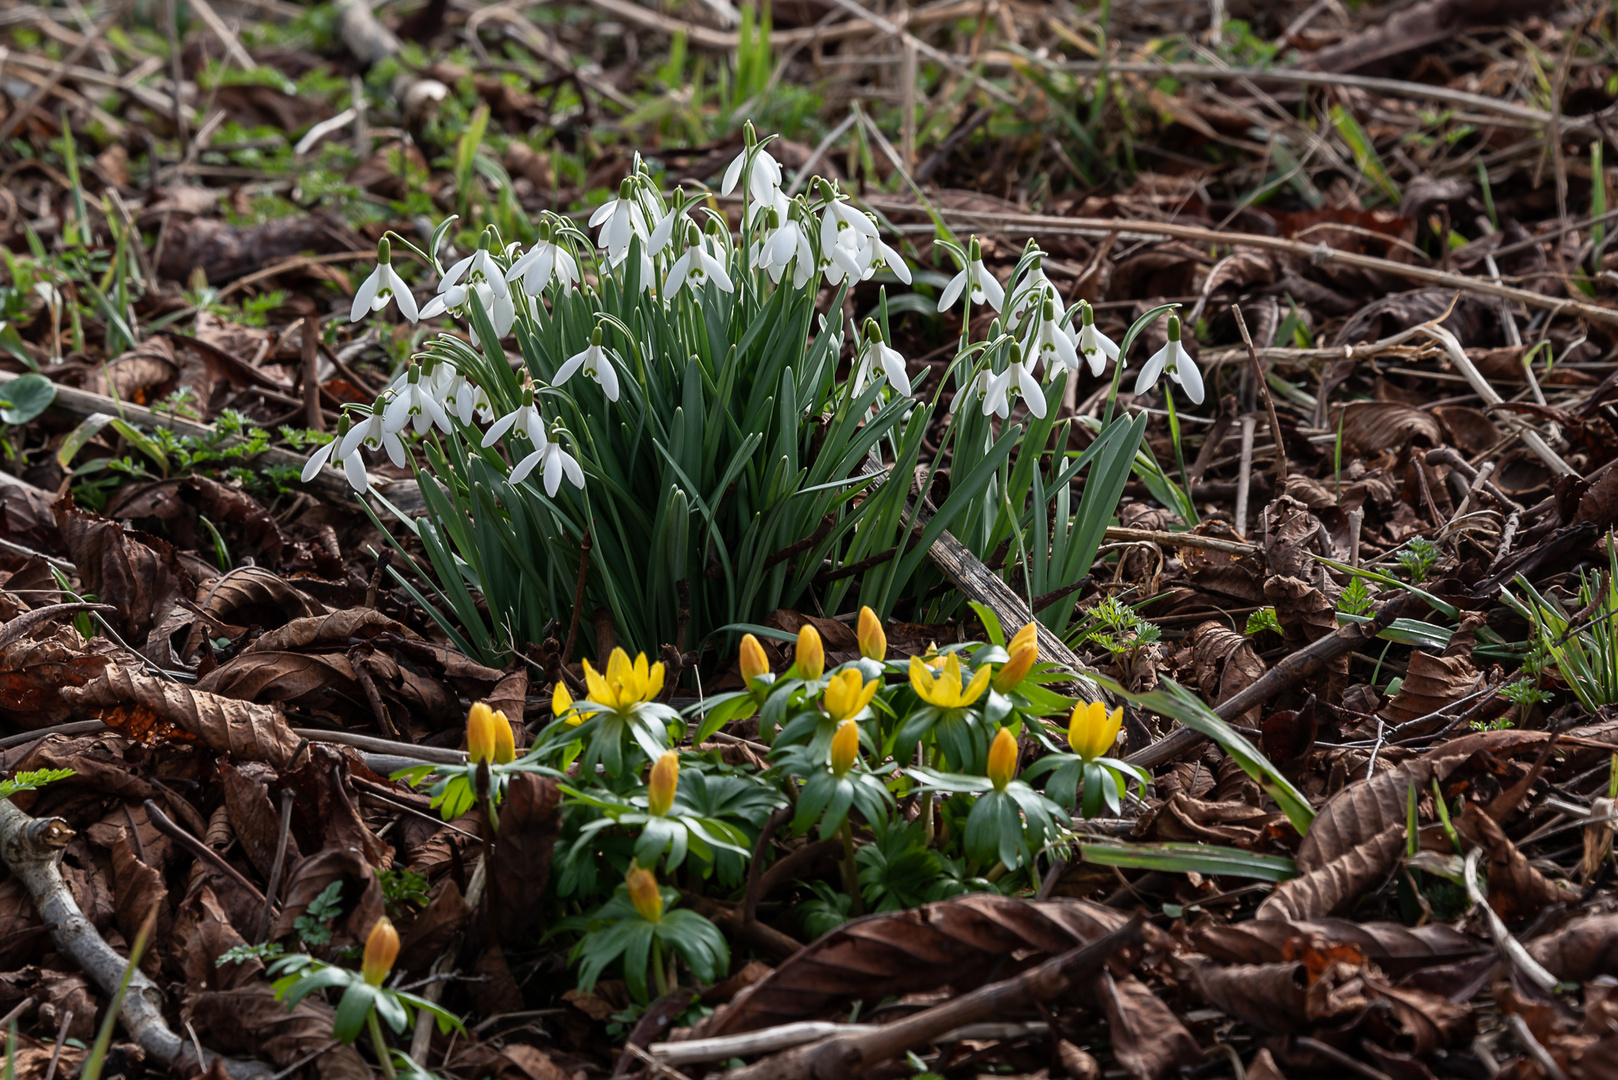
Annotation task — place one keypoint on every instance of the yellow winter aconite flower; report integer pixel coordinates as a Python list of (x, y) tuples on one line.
[(1014, 670), (752, 660), (381, 949), (873, 639), (644, 894), (562, 702), (625, 685), (1091, 732), (481, 733), (945, 690), (505, 743), (846, 694), (845, 747), (810, 659), (1002, 759), (660, 787), (1024, 638)]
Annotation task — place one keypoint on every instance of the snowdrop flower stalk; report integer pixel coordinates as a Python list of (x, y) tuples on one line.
[(976, 283), (383, 285)]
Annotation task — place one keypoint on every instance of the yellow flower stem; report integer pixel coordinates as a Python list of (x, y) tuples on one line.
[(383, 1058), (851, 871), (997, 872), (928, 760)]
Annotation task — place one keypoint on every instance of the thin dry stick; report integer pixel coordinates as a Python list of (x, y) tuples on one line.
[(312, 415), (1244, 475), (26, 109), (1490, 396), (284, 837), (226, 36), (196, 847), (954, 64), (1320, 254), (1264, 394)]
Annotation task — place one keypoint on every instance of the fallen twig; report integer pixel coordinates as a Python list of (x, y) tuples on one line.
[(852, 1054), (30, 847)]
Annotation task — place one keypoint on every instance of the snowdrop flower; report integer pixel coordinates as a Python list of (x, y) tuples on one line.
[(977, 283), (594, 363), (1017, 378), (478, 273), (882, 255), (847, 240), (1050, 345), (621, 220), (352, 465), (458, 394), (553, 463), (1172, 358), (763, 177), (524, 419), (383, 285), (892, 364), (696, 267), (415, 406), (1026, 292), (1096, 348), (784, 244), (977, 389), (373, 435), (663, 231), (545, 260)]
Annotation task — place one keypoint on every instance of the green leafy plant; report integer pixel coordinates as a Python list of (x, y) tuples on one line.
[(1584, 651), (1009, 821), (1418, 558), (1261, 620), (640, 925), (1092, 732), (313, 927)]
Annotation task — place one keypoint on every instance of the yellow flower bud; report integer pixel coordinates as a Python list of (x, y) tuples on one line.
[(505, 742), (847, 694), (660, 786), (873, 639), (845, 747), (1012, 672), (752, 661), (1027, 636), (1091, 731), (480, 733), (381, 949), (1002, 759), (562, 704), (644, 894), (810, 659)]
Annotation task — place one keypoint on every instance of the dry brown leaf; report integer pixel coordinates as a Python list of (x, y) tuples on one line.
[(529, 821), (361, 895), (1430, 684), (254, 816), (1237, 824), (1516, 889), (1225, 664), (240, 728), (1271, 997), (1393, 947), (1581, 950), (1148, 1040), (33, 671), (142, 575), (138, 893), (180, 503), (1371, 428), (955, 943), (1335, 887), (248, 1020)]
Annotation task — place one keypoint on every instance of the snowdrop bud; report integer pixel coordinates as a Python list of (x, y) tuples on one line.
[(873, 639), (661, 784), (845, 747), (1015, 352), (545, 233), (773, 219), (414, 375), (644, 893), (384, 251), (381, 949), (626, 188), (1002, 759)]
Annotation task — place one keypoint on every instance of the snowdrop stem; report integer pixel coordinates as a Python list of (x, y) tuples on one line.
[(1179, 452)]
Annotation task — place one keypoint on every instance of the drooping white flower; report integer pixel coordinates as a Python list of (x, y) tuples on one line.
[(976, 282), (663, 231), (524, 419), (383, 285), (1096, 348), (785, 243), (763, 177), (696, 267), (847, 242), (1025, 294), (878, 353), (1050, 346), (977, 389), (373, 434), (352, 464), (621, 220), (1173, 359), (477, 273), (1017, 377), (415, 406), (593, 361), (883, 255), (458, 394), (553, 463), (546, 259)]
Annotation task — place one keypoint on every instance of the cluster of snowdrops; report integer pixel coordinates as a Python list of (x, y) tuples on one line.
[(913, 762), (658, 243)]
